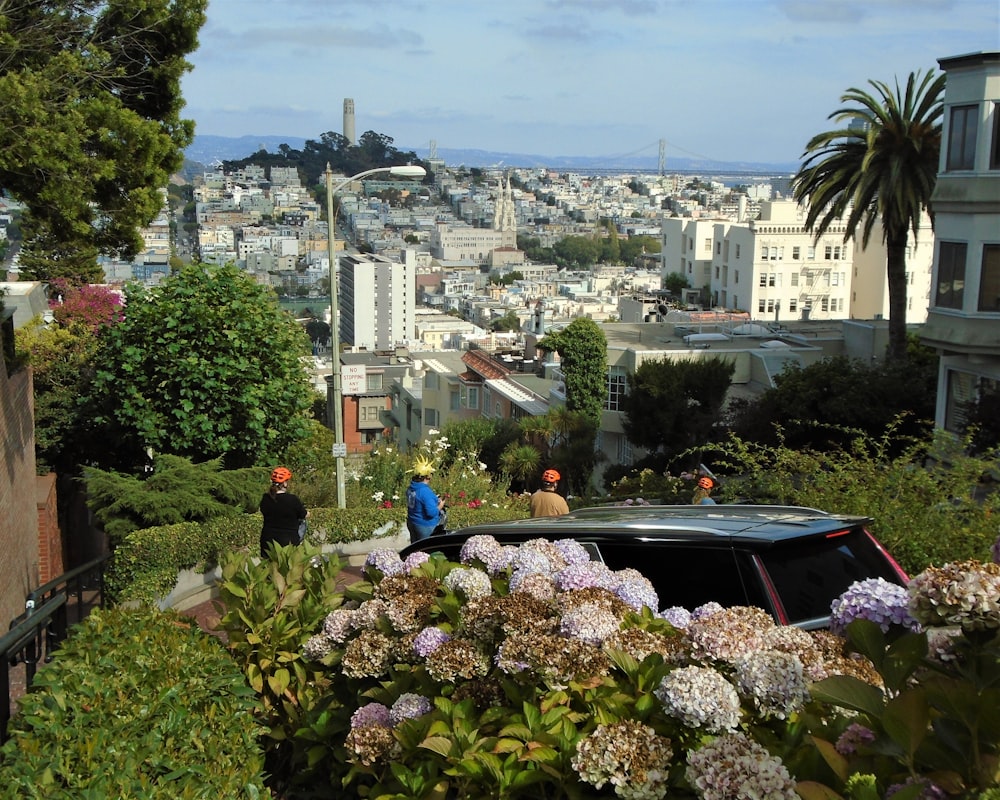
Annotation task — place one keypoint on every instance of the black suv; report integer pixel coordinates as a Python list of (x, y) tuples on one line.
[(792, 562)]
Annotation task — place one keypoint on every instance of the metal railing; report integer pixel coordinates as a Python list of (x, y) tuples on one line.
[(38, 632)]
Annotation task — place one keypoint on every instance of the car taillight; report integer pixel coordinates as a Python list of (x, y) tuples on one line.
[(835, 534), (900, 572), (772, 593)]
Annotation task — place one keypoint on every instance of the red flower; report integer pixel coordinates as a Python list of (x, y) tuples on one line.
[(461, 494), (387, 504)]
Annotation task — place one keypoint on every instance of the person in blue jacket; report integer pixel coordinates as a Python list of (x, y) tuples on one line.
[(423, 506)]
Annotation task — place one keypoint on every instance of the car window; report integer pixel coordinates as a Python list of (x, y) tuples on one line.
[(810, 574), (686, 576)]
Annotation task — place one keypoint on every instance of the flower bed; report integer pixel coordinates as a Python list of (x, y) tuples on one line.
[(533, 672)]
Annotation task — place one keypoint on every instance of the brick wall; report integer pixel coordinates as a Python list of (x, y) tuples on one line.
[(18, 509), (51, 559)]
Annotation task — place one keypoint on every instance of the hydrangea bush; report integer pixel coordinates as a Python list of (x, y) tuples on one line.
[(532, 671), (933, 730)]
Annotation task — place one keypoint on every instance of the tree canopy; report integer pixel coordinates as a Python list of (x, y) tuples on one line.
[(825, 405), (373, 150), (674, 405), (90, 126), (882, 165), (204, 365)]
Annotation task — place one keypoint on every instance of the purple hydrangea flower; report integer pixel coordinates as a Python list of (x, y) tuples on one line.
[(572, 551), (636, 590), (414, 560), (487, 550), (583, 576), (429, 640), (678, 616), (409, 706), (371, 714), (874, 599), (531, 560), (385, 561), (469, 581), (706, 610), (853, 737)]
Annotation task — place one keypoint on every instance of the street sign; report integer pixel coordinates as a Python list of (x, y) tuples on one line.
[(353, 379), (339, 450)]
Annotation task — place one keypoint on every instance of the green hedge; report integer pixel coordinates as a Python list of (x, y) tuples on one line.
[(138, 704), (145, 564)]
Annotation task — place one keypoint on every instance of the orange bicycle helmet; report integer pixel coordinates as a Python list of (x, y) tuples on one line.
[(280, 474), (705, 482), (550, 476)]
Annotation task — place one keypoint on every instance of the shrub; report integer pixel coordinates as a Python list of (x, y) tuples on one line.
[(176, 491), (923, 501), (272, 606), (144, 566), (136, 704), (533, 672)]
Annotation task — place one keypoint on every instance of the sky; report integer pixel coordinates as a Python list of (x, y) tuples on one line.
[(727, 80)]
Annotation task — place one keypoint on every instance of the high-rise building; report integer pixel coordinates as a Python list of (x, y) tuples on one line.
[(349, 121), (377, 299)]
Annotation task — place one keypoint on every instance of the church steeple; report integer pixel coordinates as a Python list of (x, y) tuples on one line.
[(504, 219)]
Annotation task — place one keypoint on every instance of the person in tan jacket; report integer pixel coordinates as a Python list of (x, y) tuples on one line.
[(546, 502)]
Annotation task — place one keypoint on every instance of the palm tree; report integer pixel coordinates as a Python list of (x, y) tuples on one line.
[(881, 167)]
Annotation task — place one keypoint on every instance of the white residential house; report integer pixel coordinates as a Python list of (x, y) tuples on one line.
[(963, 323)]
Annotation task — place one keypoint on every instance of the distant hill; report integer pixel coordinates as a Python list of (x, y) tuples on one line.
[(209, 149)]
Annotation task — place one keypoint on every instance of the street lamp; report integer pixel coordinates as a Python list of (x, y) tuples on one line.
[(339, 445)]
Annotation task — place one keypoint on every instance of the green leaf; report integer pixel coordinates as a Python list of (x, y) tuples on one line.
[(812, 790), (437, 744), (849, 692), (278, 682), (906, 719), (834, 760), (869, 640)]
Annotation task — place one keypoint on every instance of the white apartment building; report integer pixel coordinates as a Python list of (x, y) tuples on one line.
[(775, 269), (687, 249), (870, 283), (964, 319), (376, 302)]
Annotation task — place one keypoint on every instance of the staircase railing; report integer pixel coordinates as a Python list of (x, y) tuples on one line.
[(38, 632)]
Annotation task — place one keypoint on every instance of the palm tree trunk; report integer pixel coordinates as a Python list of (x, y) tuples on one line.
[(896, 273)]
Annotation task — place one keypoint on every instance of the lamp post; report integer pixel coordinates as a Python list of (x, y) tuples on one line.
[(339, 445)]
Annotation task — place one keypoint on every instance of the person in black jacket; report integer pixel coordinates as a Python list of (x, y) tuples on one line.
[(282, 512)]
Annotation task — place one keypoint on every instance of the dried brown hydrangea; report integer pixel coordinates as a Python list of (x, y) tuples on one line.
[(555, 657), (574, 598), (729, 633), (368, 655), (370, 744), (457, 659), (485, 693), (640, 643)]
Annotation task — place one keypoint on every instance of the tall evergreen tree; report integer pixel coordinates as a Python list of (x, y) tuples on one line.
[(882, 165), (90, 126)]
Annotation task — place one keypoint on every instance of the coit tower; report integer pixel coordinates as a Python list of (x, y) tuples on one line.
[(349, 121)]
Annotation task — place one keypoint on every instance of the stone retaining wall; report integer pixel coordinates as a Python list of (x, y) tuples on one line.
[(194, 588)]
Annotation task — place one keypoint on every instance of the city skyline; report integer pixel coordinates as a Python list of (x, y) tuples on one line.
[(723, 80)]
